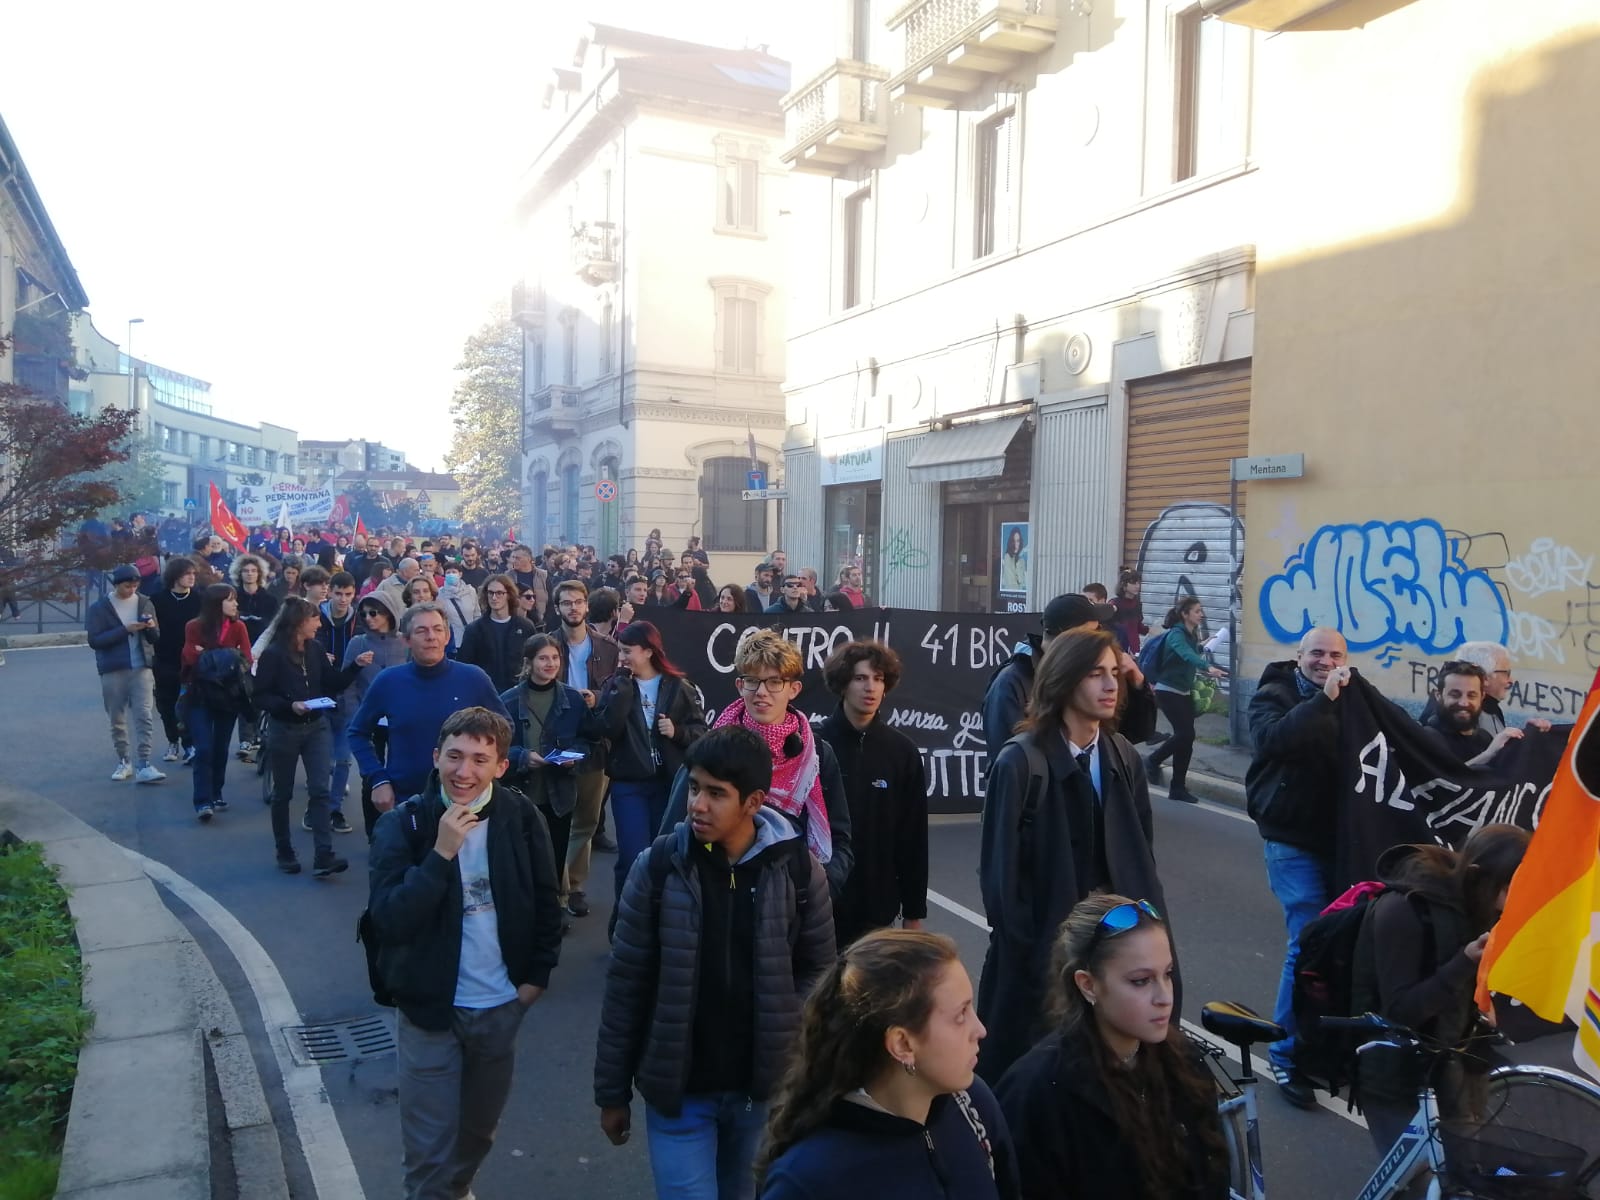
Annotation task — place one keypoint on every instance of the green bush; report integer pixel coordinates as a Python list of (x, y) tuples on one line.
[(42, 1021)]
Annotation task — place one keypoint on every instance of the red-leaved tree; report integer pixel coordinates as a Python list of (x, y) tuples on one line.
[(51, 465)]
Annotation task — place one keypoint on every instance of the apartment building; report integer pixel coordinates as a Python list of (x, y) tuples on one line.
[(1056, 263), (320, 461), (651, 296)]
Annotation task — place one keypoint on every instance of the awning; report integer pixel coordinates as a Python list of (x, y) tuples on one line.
[(976, 451)]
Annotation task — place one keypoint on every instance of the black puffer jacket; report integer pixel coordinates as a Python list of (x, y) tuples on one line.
[(639, 754), (648, 1016), (1292, 786), (415, 901)]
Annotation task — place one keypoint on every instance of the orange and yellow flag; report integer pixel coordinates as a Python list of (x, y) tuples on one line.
[(1545, 951)]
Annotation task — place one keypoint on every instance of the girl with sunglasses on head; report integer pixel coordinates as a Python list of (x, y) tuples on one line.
[(1115, 1102)]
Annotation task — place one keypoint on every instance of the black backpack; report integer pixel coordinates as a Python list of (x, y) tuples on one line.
[(222, 681), (1335, 975), (365, 933)]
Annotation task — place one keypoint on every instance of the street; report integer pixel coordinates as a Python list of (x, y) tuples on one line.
[(1227, 926)]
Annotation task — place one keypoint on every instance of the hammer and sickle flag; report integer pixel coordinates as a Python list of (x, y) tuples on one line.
[(224, 524)]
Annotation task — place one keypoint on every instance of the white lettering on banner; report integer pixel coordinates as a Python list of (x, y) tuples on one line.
[(815, 642), (911, 718), (986, 647), (258, 506)]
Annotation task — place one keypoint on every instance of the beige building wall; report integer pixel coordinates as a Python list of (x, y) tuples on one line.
[(1429, 275)]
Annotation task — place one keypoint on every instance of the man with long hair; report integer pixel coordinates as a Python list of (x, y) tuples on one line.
[(1067, 813)]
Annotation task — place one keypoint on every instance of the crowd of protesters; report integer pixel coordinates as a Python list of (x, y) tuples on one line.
[(770, 995)]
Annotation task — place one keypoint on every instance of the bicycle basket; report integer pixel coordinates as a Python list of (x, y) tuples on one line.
[(1500, 1163)]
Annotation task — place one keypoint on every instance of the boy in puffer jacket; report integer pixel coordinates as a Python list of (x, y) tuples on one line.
[(725, 925)]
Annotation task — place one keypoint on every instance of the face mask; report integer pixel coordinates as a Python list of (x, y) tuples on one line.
[(452, 578)]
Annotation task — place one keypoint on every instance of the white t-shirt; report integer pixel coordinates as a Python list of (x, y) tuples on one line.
[(649, 691), (578, 664), (128, 612), (481, 979)]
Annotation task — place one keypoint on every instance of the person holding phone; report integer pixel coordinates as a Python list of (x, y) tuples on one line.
[(122, 629)]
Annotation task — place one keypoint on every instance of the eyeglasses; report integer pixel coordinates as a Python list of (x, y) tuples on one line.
[(495, 592), (774, 685), (572, 604), (530, 595), (1122, 918)]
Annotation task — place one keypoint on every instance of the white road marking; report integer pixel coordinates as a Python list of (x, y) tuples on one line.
[(333, 1174), (1261, 1066)]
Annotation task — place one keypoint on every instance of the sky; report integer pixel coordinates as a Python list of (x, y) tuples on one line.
[(307, 203)]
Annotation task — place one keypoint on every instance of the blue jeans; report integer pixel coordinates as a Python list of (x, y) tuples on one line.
[(340, 723), (1303, 883), (210, 730), (708, 1151), (637, 809)]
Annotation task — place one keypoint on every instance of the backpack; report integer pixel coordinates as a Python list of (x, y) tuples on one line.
[(365, 933), (222, 681), (660, 866), (1335, 976), (1150, 653)]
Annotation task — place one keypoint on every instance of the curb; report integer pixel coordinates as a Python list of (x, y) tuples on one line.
[(1214, 787), (156, 1002), (33, 641)]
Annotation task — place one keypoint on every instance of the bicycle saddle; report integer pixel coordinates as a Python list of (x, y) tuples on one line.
[(1239, 1025)]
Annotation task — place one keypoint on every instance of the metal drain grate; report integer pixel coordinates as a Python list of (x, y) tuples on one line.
[(340, 1041)]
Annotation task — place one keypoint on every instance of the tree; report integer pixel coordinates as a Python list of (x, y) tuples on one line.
[(140, 480), (54, 475), (486, 448)]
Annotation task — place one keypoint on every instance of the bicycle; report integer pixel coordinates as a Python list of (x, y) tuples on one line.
[(1499, 1157)]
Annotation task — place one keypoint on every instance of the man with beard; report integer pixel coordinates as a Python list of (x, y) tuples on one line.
[(1455, 724), (473, 572), (590, 658), (1292, 794)]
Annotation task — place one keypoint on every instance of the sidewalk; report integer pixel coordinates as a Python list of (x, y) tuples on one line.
[(1216, 770)]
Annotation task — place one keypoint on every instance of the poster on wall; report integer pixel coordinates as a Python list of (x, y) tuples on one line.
[(1013, 572)]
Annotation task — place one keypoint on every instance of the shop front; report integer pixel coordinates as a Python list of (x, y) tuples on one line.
[(852, 487)]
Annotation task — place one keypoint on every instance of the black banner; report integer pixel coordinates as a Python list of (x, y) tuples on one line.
[(1399, 787), (947, 660)]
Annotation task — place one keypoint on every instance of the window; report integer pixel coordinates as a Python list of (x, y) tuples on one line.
[(861, 30), (269, 460), (738, 186), (607, 320), (739, 335), (731, 522), (540, 509), (536, 363), (202, 446), (569, 502), (169, 494), (1200, 95), (855, 245), (569, 348), (993, 175), (288, 464), (249, 456)]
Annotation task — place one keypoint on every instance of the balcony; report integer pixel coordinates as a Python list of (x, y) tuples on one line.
[(953, 46), (555, 410), (594, 252), (836, 119), (527, 306)]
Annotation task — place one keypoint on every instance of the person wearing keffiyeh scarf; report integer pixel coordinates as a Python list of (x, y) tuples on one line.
[(806, 784)]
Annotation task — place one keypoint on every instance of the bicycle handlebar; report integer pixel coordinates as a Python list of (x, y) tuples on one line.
[(1366, 1021)]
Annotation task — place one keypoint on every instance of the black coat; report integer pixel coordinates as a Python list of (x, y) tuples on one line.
[(1067, 1141), (638, 754), (1006, 701), (415, 901), (280, 681), (1031, 877), (1292, 786), (887, 791), (496, 646)]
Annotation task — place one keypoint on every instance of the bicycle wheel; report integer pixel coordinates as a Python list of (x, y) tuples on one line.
[(1556, 1104)]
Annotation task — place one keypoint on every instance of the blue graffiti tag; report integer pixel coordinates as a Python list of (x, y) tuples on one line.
[(1399, 581)]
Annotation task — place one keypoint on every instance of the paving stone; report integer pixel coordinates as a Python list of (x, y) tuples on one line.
[(136, 991)]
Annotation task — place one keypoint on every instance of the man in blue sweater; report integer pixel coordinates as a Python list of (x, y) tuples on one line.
[(413, 700)]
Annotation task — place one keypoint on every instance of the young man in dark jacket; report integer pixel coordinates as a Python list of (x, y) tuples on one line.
[(793, 597), (1085, 827), (123, 631), (1292, 794), (888, 794), (714, 953), (588, 660), (176, 604), (463, 907), (1006, 701)]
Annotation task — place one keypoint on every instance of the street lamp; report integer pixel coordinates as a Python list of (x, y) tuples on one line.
[(133, 395)]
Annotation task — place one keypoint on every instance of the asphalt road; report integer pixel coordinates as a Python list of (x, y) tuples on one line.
[(56, 742)]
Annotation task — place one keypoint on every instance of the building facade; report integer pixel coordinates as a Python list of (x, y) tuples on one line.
[(320, 461), (196, 447), (1022, 297), (1174, 239), (651, 298), (436, 494)]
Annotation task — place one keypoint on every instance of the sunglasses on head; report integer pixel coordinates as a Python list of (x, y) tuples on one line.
[(1122, 918)]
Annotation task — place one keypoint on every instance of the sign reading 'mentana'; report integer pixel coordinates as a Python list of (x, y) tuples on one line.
[(1269, 466)]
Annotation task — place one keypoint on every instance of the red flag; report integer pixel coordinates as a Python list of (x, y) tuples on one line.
[(361, 528), (224, 524), (341, 509)]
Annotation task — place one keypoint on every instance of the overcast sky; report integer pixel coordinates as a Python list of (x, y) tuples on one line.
[(307, 204)]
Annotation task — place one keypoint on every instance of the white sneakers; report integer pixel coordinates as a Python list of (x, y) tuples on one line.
[(149, 774), (174, 753), (124, 772)]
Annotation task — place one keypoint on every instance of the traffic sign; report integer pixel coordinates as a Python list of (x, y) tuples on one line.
[(605, 491), (776, 493), (756, 481), (1269, 466), (190, 502)]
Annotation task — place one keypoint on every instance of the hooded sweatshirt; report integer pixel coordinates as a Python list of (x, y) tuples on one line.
[(388, 650)]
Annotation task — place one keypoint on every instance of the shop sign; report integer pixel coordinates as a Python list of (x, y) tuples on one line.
[(854, 457)]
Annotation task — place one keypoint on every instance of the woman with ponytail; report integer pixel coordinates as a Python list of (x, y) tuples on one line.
[(880, 1097), (1114, 1102)]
